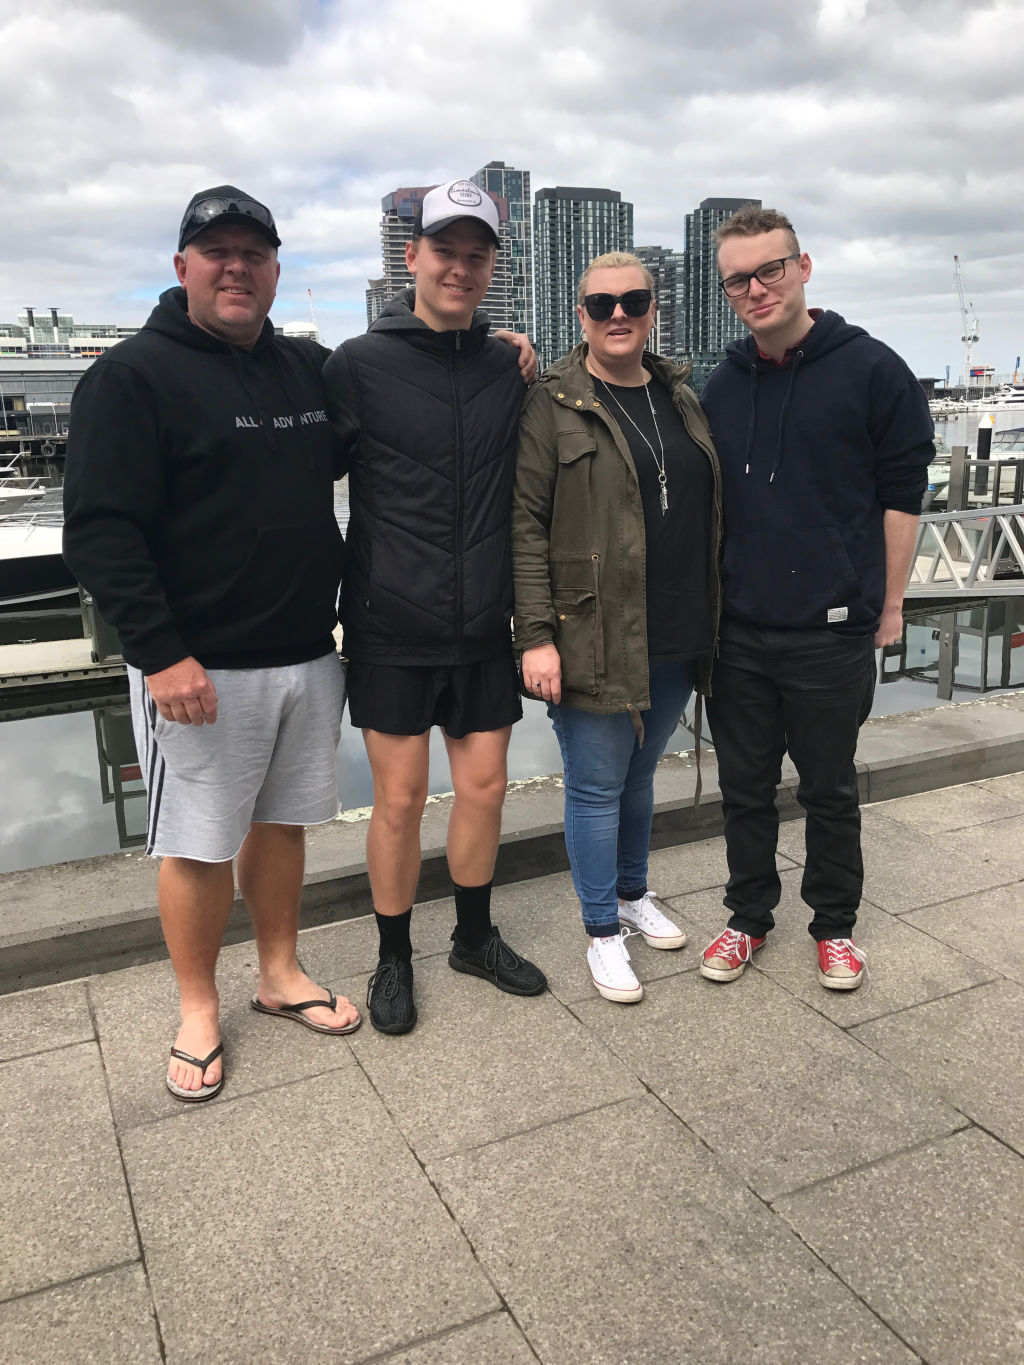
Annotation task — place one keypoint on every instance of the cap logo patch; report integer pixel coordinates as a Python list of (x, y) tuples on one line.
[(465, 194)]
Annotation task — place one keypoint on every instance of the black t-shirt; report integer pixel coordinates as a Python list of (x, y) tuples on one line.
[(678, 556)]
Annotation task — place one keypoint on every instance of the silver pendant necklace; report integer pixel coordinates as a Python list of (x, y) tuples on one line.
[(662, 477)]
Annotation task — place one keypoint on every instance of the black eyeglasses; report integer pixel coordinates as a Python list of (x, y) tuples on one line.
[(635, 303), (738, 285), (208, 209)]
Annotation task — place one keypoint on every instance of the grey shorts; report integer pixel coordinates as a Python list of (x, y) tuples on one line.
[(270, 758)]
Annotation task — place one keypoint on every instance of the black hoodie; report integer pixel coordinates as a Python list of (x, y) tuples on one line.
[(198, 496), (812, 453), (429, 420)]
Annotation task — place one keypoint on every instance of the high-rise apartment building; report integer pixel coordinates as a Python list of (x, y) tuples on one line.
[(571, 225), (667, 267), (512, 287), (509, 300), (710, 322)]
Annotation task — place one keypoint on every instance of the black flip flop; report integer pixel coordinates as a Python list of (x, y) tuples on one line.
[(205, 1092), (296, 1012)]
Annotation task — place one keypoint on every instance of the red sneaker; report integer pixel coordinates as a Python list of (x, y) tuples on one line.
[(840, 964), (725, 959)]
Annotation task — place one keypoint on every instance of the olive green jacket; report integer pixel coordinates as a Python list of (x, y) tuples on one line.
[(578, 543)]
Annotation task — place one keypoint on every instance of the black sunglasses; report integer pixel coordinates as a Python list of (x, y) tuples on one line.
[(635, 303)]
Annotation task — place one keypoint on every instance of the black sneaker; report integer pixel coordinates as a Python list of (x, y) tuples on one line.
[(389, 995), (495, 961)]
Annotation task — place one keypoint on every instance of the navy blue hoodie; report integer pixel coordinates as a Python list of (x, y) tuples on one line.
[(199, 496), (812, 454)]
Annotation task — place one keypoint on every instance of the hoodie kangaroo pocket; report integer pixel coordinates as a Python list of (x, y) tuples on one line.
[(793, 579), (285, 588)]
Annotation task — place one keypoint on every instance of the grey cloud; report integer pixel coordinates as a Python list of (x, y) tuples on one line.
[(264, 32)]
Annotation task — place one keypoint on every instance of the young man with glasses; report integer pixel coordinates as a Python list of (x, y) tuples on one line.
[(824, 439), (199, 513)]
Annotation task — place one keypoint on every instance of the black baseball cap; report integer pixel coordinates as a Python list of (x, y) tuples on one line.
[(226, 204)]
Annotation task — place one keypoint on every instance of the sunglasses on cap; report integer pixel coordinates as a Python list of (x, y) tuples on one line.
[(635, 303), (206, 210)]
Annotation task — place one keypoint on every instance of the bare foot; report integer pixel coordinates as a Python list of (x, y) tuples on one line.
[(199, 1035), (291, 987)]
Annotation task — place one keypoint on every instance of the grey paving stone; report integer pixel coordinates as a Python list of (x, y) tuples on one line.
[(905, 967), (947, 1272), (481, 1064), (1000, 842), (625, 1241), (695, 866), (905, 869), (35, 1021), (496, 1341), (307, 1223), (137, 1017), (65, 1206), (1011, 785), (965, 1048), (103, 1320), (949, 808), (985, 926), (776, 1090)]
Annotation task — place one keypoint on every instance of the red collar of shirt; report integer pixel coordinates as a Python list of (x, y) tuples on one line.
[(814, 314)]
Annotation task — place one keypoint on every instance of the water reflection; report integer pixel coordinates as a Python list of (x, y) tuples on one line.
[(70, 785)]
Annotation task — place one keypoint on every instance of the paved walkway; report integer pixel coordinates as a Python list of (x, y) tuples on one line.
[(759, 1172)]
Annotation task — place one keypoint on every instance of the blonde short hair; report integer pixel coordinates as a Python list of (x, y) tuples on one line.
[(613, 260)]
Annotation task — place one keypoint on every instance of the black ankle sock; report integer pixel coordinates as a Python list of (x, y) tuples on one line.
[(472, 914), (394, 934)]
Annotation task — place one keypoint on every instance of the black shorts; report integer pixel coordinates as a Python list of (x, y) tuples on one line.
[(407, 699)]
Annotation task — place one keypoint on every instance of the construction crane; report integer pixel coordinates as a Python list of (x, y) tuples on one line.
[(970, 324)]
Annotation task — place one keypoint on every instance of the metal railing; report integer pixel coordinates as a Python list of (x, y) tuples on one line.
[(979, 551)]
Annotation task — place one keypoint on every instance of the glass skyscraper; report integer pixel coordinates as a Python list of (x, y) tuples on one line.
[(571, 225), (710, 322)]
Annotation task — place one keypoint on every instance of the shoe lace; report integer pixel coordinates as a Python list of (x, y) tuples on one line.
[(838, 951), (618, 941), (498, 953), (731, 943), (384, 980)]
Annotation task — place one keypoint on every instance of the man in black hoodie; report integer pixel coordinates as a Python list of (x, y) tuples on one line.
[(824, 439), (199, 513)]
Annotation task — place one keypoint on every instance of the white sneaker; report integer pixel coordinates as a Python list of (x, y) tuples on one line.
[(647, 916), (609, 966)]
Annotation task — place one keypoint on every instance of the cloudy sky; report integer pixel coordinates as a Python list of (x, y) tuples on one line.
[(889, 130)]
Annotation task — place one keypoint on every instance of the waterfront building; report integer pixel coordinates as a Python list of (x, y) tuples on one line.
[(710, 323), (571, 225), (512, 287), (668, 269), (35, 393), (39, 333), (505, 299)]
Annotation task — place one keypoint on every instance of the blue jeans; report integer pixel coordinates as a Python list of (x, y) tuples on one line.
[(609, 793)]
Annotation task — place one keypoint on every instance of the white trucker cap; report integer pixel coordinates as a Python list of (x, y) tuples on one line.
[(455, 199)]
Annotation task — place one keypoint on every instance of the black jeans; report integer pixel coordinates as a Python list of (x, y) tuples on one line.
[(808, 691)]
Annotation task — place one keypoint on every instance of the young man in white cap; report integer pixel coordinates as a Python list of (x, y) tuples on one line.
[(427, 407)]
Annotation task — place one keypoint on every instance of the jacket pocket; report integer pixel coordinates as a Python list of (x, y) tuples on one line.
[(579, 626), (791, 579), (572, 445)]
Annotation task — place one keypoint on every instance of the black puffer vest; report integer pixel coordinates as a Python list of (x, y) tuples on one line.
[(432, 420)]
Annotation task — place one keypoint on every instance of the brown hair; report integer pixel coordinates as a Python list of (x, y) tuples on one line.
[(612, 260), (752, 221)]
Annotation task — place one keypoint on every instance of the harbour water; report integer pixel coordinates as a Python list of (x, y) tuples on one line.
[(69, 786)]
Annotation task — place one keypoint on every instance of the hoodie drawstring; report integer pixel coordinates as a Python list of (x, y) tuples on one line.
[(782, 413), (752, 424)]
